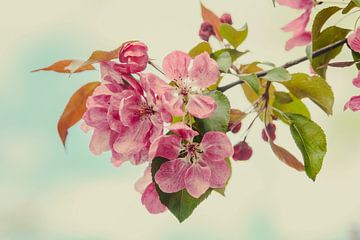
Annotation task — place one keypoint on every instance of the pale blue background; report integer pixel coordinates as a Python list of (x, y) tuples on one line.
[(49, 193)]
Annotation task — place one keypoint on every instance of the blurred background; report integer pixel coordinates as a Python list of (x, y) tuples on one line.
[(47, 192)]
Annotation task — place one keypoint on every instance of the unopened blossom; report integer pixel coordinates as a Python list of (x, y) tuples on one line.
[(133, 57), (150, 198), (298, 26), (205, 31), (226, 18), (269, 131), (353, 104), (354, 40), (193, 166), (242, 151), (188, 84)]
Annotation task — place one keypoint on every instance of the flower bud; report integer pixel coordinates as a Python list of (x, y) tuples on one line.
[(226, 18), (270, 131), (133, 57), (242, 151), (206, 30), (234, 127)]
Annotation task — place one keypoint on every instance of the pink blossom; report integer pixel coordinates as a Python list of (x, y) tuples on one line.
[(353, 104), (193, 166), (126, 116), (356, 81), (300, 37), (354, 40), (188, 84), (150, 198), (133, 57)]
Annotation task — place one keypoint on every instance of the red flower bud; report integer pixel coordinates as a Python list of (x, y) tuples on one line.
[(206, 30), (270, 131), (226, 18), (133, 57), (234, 127), (242, 151)]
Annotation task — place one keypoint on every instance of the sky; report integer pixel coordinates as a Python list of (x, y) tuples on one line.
[(47, 192)]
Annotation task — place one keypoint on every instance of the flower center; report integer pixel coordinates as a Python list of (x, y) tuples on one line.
[(191, 152), (146, 111)]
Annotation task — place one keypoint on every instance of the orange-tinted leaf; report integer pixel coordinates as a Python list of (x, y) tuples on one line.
[(75, 109), (286, 157), (65, 66), (236, 116), (210, 17)]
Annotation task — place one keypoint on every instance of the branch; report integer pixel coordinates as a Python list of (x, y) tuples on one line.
[(315, 54)]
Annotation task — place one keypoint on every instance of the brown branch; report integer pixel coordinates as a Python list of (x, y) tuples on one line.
[(315, 54)]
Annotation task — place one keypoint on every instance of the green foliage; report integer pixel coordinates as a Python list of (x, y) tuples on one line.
[(181, 203), (315, 88), (233, 36), (311, 140), (288, 103), (253, 81), (322, 38), (200, 48), (356, 57), (278, 74), (235, 54), (224, 61), (348, 8), (219, 120)]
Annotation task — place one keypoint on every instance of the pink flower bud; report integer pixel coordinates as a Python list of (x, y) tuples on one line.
[(270, 130), (234, 127), (206, 30), (226, 18), (242, 151), (133, 57)]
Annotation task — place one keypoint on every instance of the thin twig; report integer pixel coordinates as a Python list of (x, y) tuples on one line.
[(315, 54)]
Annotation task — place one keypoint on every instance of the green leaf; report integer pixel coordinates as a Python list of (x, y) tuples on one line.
[(357, 2), (235, 54), (294, 106), (315, 88), (311, 140), (309, 52), (219, 120), (233, 36), (181, 203), (327, 37), (253, 81), (356, 57), (200, 48), (224, 61), (278, 74), (348, 8), (321, 19)]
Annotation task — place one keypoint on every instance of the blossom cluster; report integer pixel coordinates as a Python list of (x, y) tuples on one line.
[(135, 115)]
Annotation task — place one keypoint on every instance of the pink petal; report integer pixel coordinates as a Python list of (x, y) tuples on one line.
[(197, 180), (205, 71), (297, 4), (158, 85), (299, 24), (354, 40), (356, 81), (183, 130), (150, 199), (165, 146), (201, 106), (216, 146), (96, 117), (129, 110), (144, 181), (109, 74), (170, 176), (220, 173), (175, 65), (353, 104), (100, 141), (298, 40)]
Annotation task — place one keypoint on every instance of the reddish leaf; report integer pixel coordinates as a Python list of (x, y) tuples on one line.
[(75, 109), (210, 17), (286, 157), (65, 66), (339, 64)]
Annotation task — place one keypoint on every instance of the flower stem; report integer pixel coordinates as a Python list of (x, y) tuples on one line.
[(315, 54)]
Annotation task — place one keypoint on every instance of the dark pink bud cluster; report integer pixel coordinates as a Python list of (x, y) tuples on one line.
[(242, 151), (234, 127), (226, 18), (206, 30), (269, 132)]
